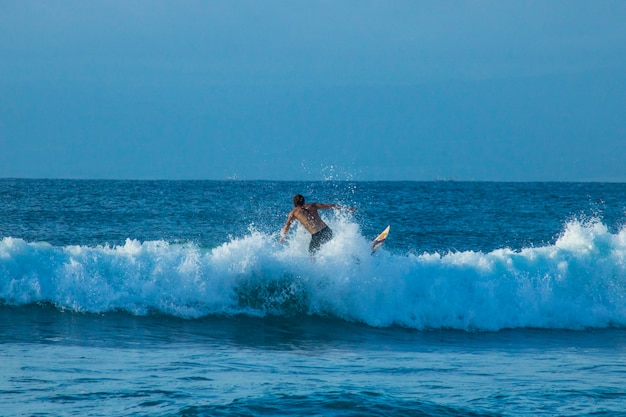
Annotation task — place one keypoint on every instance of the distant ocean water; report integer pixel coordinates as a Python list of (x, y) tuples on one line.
[(174, 298)]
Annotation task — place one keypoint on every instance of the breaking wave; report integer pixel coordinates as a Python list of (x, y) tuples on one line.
[(576, 283)]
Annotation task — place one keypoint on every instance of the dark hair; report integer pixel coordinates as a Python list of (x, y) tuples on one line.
[(298, 200)]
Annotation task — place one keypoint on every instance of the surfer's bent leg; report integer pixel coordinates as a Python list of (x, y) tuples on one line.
[(319, 238)]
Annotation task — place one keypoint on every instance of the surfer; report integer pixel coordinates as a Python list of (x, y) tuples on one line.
[(311, 220)]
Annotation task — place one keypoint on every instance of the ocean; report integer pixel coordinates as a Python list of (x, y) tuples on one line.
[(175, 298)]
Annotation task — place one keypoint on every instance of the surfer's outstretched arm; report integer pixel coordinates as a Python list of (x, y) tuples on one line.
[(332, 206)]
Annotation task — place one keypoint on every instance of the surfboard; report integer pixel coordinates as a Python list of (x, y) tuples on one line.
[(380, 239)]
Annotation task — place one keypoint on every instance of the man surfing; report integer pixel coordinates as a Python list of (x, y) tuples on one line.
[(307, 215)]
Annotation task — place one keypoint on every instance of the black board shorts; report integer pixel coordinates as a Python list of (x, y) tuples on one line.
[(319, 238)]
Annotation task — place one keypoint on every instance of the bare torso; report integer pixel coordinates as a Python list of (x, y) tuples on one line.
[(308, 216)]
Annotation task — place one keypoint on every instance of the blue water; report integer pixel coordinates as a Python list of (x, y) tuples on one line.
[(176, 299)]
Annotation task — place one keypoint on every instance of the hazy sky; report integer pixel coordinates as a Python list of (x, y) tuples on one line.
[(359, 90)]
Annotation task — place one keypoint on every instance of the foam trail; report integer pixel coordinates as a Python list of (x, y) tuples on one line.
[(578, 282)]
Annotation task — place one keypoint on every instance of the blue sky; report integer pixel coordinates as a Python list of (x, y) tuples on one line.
[(300, 90)]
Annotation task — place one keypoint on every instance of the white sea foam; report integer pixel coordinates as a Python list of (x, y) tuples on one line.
[(578, 282)]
